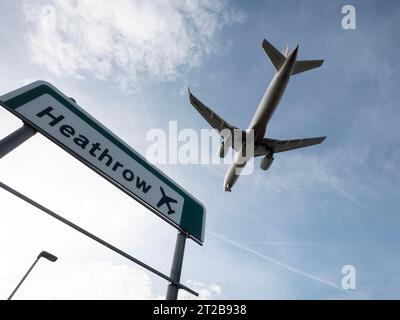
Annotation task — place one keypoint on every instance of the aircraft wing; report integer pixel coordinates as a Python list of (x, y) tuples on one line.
[(266, 145), (211, 117)]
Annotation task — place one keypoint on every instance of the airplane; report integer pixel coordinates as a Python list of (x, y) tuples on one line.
[(166, 200), (286, 65)]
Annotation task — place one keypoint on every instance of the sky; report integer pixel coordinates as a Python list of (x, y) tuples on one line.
[(281, 234)]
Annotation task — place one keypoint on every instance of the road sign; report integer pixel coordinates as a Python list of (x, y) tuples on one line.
[(60, 119)]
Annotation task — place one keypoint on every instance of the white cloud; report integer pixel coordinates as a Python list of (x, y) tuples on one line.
[(100, 280), (124, 40), (206, 291)]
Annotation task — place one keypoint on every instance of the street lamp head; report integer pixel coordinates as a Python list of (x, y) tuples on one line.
[(48, 256), (43, 254)]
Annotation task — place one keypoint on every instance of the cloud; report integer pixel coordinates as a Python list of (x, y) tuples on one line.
[(125, 40), (206, 291), (82, 281)]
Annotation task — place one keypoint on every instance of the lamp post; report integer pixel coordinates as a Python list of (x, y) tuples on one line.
[(43, 254)]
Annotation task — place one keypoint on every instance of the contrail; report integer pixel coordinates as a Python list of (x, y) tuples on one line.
[(271, 243), (284, 265), (347, 194)]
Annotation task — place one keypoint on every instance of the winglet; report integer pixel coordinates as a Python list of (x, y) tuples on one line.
[(191, 97)]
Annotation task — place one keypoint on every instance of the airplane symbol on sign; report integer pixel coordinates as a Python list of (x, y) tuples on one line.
[(166, 200)]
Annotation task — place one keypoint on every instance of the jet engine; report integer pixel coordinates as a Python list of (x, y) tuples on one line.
[(225, 145), (266, 161), (222, 150)]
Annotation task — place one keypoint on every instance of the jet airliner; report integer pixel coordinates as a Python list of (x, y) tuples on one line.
[(286, 65)]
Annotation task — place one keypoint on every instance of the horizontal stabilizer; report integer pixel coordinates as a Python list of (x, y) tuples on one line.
[(266, 145), (273, 54), (306, 65)]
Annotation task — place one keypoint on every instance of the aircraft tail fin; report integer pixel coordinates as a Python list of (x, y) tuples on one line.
[(278, 59), (273, 54), (302, 66)]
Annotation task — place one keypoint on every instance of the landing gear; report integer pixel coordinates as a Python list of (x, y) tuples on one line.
[(228, 188)]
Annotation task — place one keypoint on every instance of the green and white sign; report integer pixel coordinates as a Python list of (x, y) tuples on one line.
[(61, 120)]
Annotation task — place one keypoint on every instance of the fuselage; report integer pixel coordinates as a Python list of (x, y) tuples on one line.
[(263, 114)]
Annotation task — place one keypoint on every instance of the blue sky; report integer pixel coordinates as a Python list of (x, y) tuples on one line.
[(285, 233)]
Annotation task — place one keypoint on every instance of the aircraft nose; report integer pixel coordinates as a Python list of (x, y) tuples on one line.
[(227, 187), (227, 183)]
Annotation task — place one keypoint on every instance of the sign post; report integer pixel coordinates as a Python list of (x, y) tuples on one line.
[(45, 109), (176, 269)]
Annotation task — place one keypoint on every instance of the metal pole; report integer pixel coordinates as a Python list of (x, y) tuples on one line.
[(95, 238), (176, 269), (15, 139), (19, 284)]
